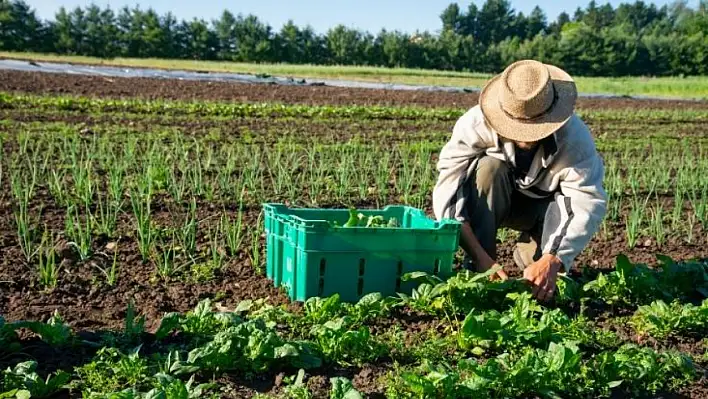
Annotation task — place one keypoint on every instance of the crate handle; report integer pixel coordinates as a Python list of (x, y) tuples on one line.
[(399, 272), (362, 270), (320, 288)]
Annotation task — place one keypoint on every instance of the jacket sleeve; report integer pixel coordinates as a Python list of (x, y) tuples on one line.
[(469, 139), (582, 202)]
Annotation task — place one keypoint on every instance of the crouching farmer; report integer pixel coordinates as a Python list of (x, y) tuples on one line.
[(522, 159)]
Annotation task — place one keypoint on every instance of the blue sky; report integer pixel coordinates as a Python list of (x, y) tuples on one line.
[(370, 15)]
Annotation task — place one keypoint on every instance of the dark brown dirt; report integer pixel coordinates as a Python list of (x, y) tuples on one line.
[(152, 88)]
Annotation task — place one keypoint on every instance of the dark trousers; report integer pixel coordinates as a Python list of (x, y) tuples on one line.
[(494, 203)]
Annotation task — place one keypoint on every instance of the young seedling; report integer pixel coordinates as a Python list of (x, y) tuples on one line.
[(657, 224), (177, 182), (79, 231), (56, 187), (110, 274), (26, 230), (145, 236), (255, 253), (106, 217), (232, 232), (188, 230), (48, 269), (116, 176), (690, 226), (634, 221), (215, 249), (383, 176), (165, 260)]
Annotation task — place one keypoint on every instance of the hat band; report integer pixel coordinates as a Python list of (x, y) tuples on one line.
[(541, 115)]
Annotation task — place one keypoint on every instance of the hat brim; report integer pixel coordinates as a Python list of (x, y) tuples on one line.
[(536, 129)]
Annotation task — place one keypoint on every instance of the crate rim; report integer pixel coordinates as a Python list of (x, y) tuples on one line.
[(440, 225)]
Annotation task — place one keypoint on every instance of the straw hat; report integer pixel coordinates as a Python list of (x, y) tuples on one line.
[(528, 101)]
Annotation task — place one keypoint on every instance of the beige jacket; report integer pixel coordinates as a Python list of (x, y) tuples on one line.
[(568, 167)]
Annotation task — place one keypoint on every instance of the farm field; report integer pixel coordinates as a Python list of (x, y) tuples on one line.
[(132, 250), (690, 87)]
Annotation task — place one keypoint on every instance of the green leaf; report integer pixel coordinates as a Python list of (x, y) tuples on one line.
[(486, 274), (353, 218), (477, 351), (244, 306), (169, 323), (624, 265), (615, 384)]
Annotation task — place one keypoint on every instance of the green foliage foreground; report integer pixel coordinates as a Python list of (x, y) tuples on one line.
[(498, 342)]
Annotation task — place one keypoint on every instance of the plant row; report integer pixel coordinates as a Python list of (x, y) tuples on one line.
[(270, 110), (498, 342)]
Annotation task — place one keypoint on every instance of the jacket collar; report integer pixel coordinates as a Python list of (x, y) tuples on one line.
[(550, 148), (549, 145)]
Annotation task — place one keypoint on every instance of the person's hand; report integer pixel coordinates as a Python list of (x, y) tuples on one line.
[(500, 274), (542, 275)]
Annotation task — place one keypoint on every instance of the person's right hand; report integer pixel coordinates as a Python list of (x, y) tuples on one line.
[(501, 274)]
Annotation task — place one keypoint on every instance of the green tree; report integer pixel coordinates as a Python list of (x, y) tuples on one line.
[(20, 29), (451, 18), (199, 43), (225, 29), (100, 32), (346, 46), (557, 25), (64, 32), (253, 38), (537, 23), (495, 21)]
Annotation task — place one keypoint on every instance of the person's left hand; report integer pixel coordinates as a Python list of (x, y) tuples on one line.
[(542, 275)]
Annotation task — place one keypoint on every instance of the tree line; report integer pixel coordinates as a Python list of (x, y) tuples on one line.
[(598, 40)]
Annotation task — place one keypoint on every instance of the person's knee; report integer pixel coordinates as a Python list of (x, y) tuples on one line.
[(491, 172)]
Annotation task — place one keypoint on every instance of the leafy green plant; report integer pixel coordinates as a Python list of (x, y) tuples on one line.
[(202, 321), (637, 370), (526, 323), (358, 219), (339, 341), (626, 285), (22, 381), (460, 293), (660, 319), (169, 387), (295, 386), (111, 371), (342, 388), (54, 332), (252, 347)]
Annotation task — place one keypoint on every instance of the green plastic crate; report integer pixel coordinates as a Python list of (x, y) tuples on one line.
[(310, 257)]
